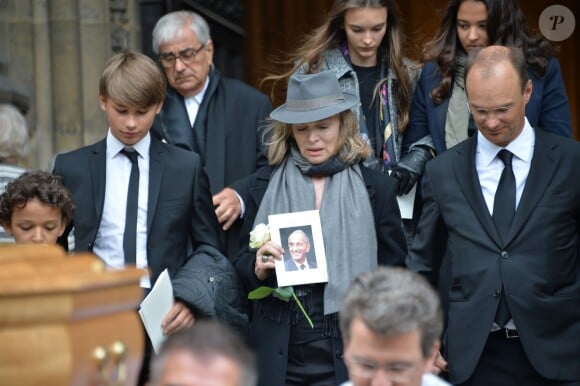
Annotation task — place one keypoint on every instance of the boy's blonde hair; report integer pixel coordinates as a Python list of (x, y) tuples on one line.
[(131, 78)]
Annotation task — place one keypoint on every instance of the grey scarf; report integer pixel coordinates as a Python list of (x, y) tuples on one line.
[(346, 217), (457, 120)]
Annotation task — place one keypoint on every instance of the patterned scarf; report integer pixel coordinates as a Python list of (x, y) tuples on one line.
[(457, 120)]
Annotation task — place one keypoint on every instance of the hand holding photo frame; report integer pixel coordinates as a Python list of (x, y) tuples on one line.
[(300, 234)]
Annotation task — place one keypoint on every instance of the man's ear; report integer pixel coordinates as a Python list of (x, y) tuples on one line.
[(209, 48), (528, 91), (346, 345), (430, 360)]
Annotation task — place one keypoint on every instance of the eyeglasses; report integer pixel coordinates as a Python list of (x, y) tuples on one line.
[(483, 114), (363, 368), (186, 56)]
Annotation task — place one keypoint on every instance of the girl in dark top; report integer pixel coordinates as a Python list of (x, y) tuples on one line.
[(439, 105), (362, 42)]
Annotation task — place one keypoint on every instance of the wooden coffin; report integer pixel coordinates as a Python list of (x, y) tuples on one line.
[(66, 320)]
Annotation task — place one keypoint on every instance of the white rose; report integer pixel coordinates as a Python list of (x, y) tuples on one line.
[(259, 236)]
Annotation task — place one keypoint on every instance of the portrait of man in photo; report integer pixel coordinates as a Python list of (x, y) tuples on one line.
[(299, 252)]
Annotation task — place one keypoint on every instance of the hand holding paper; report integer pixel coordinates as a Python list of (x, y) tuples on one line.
[(155, 307)]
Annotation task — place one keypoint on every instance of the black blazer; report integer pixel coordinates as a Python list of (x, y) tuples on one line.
[(180, 216), (231, 116), (289, 264), (538, 265)]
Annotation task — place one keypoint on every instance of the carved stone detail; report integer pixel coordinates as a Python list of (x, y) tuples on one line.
[(119, 25)]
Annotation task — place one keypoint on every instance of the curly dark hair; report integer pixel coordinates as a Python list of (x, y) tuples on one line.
[(505, 26), (44, 186)]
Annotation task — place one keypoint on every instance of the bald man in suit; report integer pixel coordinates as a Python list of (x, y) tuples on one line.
[(512, 234)]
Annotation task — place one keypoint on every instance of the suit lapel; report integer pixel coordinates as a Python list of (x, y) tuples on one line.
[(466, 176), (440, 112), (156, 165), (542, 169), (98, 170), (215, 135), (258, 189), (175, 121)]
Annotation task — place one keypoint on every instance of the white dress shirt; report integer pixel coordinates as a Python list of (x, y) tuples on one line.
[(109, 241), (489, 168), (192, 103)]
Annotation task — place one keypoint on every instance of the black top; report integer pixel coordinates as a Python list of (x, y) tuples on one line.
[(368, 77)]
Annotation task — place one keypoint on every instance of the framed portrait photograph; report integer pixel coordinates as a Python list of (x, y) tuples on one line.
[(304, 260)]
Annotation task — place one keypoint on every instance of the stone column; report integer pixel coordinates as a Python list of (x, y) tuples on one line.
[(95, 49), (56, 50), (42, 85)]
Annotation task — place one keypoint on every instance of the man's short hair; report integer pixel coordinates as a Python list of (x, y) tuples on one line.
[(206, 339), (171, 26), (133, 79), (393, 301), (487, 58), (301, 233)]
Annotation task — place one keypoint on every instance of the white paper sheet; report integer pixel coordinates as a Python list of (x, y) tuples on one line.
[(154, 308), (406, 203)]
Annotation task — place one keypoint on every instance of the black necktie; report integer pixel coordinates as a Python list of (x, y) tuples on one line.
[(130, 234), (504, 208), (302, 267)]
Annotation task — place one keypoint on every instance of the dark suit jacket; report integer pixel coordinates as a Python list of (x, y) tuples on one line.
[(271, 339), (230, 115), (547, 109), (180, 216), (289, 264), (538, 265)]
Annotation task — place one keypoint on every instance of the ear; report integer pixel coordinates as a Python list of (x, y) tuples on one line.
[(430, 360), (62, 227), (209, 48), (528, 91), (103, 103), (346, 345), (8, 228), (158, 108)]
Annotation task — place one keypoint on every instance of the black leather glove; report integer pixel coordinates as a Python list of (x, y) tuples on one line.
[(410, 168), (375, 163)]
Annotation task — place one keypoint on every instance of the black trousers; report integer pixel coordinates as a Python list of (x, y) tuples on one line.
[(311, 364), (504, 362), (147, 356), (147, 351)]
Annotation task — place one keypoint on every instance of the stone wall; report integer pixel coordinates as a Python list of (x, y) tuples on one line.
[(55, 50)]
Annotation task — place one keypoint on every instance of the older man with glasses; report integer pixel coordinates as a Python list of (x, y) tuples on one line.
[(217, 117)]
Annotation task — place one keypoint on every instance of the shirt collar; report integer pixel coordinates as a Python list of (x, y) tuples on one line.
[(198, 98), (522, 146), (114, 146)]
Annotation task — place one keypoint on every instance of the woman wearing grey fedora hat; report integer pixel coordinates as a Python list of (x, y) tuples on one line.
[(315, 156)]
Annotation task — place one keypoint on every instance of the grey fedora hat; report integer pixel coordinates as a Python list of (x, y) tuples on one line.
[(312, 97)]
